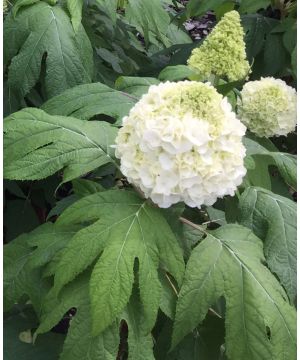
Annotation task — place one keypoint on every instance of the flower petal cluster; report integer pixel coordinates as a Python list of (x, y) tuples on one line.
[(268, 107), (182, 142), (223, 51)]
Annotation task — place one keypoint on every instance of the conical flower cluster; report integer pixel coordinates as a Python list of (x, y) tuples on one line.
[(182, 142), (223, 51)]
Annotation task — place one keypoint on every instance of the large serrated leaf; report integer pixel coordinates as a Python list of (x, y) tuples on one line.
[(229, 263), (46, 241), (252, 6), (124, 227), (40, 30), (256, 28), (198, 7), (75, 9), (19, 279), (86, 101), (79, 343), (150, 19), (286, 163), (175, 73), (37, 145), (137, 86), (273, 218), (140, 342)]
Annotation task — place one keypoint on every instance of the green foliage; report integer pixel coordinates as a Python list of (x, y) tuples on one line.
[(174, 73), (87, 101), (229, 263), (273, 218), (286, 163), (150, 19), (46, 144), (250, 6), (75, 9), (268, 39), (38, 30), (200, 7), (136, 86), (92, 269), (122, 238)]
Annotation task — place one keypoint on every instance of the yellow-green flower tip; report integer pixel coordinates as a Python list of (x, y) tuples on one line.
[(223, 52)]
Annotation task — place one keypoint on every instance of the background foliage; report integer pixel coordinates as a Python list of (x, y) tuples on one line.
[(92, 271)]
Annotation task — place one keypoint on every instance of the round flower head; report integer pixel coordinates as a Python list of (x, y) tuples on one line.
[(223, 51), (268, 107), (182, 142)]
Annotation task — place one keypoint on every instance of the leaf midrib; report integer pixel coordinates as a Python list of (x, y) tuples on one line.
[(242, 264)]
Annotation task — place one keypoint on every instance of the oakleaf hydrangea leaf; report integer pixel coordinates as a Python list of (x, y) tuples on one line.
[(79, 342), (43, 31), (19, 278), (38, 145), (229, 262), (273, 218), (123, 228), (88, 100)]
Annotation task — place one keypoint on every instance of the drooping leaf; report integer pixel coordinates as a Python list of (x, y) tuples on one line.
[(86, 101), (274, 49), (40, 30), (260, 174), (256, 28), (20, 3), (124, 228), (84, 187), (200, 7), (286, 163), (19, 278), (175, 73), (150, 19), (229, 263), (137, 86), (109, 7), (252, 6), (37, 145), (61, 205), (75, 9), (273, 218)]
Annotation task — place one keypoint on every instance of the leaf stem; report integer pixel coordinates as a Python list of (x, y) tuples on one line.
[(195, 226)]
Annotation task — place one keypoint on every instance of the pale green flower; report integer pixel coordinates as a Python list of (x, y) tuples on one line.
[(182, 142), (223, 51), (268, 107)]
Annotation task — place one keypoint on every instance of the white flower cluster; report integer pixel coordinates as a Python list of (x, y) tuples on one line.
[(268, 107), (182, 142)]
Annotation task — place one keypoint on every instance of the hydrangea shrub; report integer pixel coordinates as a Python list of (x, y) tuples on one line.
[(160, 213)]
